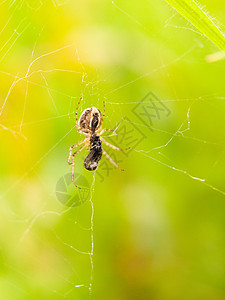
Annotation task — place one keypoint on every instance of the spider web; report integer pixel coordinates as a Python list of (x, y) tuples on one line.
[(29, 204)]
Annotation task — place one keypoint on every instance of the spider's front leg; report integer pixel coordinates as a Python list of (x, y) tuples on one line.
[(103, 115), (76, 112), (71, 149)]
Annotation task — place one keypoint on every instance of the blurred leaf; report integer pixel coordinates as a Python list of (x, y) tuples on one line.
[(191, 10)]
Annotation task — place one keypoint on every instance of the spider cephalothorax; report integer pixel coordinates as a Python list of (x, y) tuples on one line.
[(90, 120), (90, 124)]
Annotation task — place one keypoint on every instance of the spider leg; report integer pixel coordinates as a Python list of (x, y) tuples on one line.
[(71, 149), (112, 146), (110, 159), (73, 163), (103, 115), (76, 111), (103, 130)]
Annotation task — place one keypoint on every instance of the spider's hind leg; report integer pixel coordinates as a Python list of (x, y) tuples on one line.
[(111, 160), (71, 149), (103, 130), (73, 163), (112, 146)]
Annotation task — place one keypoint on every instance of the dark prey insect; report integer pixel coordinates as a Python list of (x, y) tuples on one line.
[(90, 124)]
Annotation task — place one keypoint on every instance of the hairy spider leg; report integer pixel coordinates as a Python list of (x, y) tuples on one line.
[(104, 130), (78, 104), (103, 115), (73, 163), (71, 149), (112, 146), (110, 159)]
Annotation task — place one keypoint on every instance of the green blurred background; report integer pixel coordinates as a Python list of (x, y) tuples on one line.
[(159, 229)]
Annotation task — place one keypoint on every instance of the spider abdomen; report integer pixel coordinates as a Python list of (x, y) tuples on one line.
[(92, 159), (95, 154)]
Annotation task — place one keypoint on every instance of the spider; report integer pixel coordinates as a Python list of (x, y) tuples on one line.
[(90, 124)]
